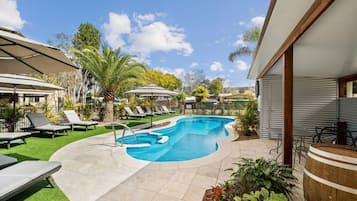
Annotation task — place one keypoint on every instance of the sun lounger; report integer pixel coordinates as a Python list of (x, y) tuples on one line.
[(157, 109), (130, 113), (167, 110), (17, 178), (6, 161), (148, 110), (40, 123), (8, 137), (141, 111), (73, 119)]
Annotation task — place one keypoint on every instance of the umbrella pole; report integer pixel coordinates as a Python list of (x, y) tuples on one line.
[(13, 123), (151, 112)]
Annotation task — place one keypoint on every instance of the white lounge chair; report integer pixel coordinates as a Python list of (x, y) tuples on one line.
[(130, 113), (73, 119), (141, 111), (167, 110)]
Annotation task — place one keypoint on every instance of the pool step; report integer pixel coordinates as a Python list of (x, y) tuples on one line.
[(163, 139), (137, 145), (154, 133)]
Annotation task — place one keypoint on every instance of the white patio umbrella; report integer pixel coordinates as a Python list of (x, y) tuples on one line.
[(24, 82), (20, 55), (152, 91)]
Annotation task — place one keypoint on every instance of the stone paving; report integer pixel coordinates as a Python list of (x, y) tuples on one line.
[(94, 169)]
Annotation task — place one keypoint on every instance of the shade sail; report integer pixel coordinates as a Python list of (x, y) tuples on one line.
[(19, 55), (25, 82), (152, 90)]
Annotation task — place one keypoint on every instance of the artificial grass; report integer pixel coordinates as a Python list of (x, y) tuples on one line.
[(42, 146)]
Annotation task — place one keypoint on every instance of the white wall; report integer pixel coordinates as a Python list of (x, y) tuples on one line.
[(314, 104), (348, 113)]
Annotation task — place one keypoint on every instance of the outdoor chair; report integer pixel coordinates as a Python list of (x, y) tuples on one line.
[(74, 120), (141, 111), (131, 114), (11, 136), (148, 110), (157, 109), (167, 110), (19, 177), (40, 123), (6, 161)]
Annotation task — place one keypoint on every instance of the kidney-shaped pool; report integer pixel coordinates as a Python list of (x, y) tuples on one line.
[(189, 138)]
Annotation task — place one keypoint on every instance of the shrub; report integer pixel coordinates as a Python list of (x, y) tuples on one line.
[(248, 117), (86, 111), (262, 195), (8, 116), (68, 103), (252, 175)]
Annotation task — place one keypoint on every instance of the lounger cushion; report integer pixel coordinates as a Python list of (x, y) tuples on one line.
[(19, 177), (6, 161), (37, 119), (73, 118), (51, 127), (13, 136)]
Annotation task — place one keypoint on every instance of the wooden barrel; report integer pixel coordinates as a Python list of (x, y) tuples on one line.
[(330, 173)]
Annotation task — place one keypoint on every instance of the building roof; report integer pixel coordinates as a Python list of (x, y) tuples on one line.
[(326, 49)]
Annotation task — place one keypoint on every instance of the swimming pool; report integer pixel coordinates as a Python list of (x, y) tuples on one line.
[(190, 138)]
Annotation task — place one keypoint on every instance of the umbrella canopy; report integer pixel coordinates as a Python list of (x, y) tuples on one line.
[(19, 55), (25, 82), (152, 90)]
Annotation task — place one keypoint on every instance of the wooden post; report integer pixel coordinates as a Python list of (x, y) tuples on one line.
[(288, 106)]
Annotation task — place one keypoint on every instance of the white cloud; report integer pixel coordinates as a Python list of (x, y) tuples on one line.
[(146, 17), (9, 15), (158, 36), (240, 42), (258, 21), (118, 25), (231, 70), (178, 72), (241, 23), (216, 66), (241, 65), (194, 64)]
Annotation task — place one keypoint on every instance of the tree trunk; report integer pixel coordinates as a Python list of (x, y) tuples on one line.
[(108, 110)]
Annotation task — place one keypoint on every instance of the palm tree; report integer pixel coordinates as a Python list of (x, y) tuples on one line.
[(250, 36), (111, 70)]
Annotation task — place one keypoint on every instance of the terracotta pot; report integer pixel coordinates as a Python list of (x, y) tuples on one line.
[(209, 195)]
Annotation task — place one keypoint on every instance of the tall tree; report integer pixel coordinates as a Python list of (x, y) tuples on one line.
[(111, 69), (250, 37), (87, 36), (165, 80), (193, 79), (216, 86)]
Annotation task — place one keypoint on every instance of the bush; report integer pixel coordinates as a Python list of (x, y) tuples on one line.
[(68, 103), (262, 195), (86, 111), (252, 175), (10, 119), (248, 119)]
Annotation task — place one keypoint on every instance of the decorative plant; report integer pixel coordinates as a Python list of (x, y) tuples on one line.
[(252, 175), (11, 117), (68, 103), (262, 195), (86, 111), (248, 117)]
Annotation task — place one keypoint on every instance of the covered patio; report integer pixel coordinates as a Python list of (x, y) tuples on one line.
[(306, 62)]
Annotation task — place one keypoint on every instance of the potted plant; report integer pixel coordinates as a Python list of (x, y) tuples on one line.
[(255, 180)]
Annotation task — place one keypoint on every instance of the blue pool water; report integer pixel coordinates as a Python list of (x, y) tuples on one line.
[(190, 138)]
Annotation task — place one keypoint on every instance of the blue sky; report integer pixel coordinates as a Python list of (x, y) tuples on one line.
[(173, 36)]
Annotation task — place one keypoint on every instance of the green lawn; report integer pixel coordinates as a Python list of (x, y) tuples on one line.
[(42, 146)]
